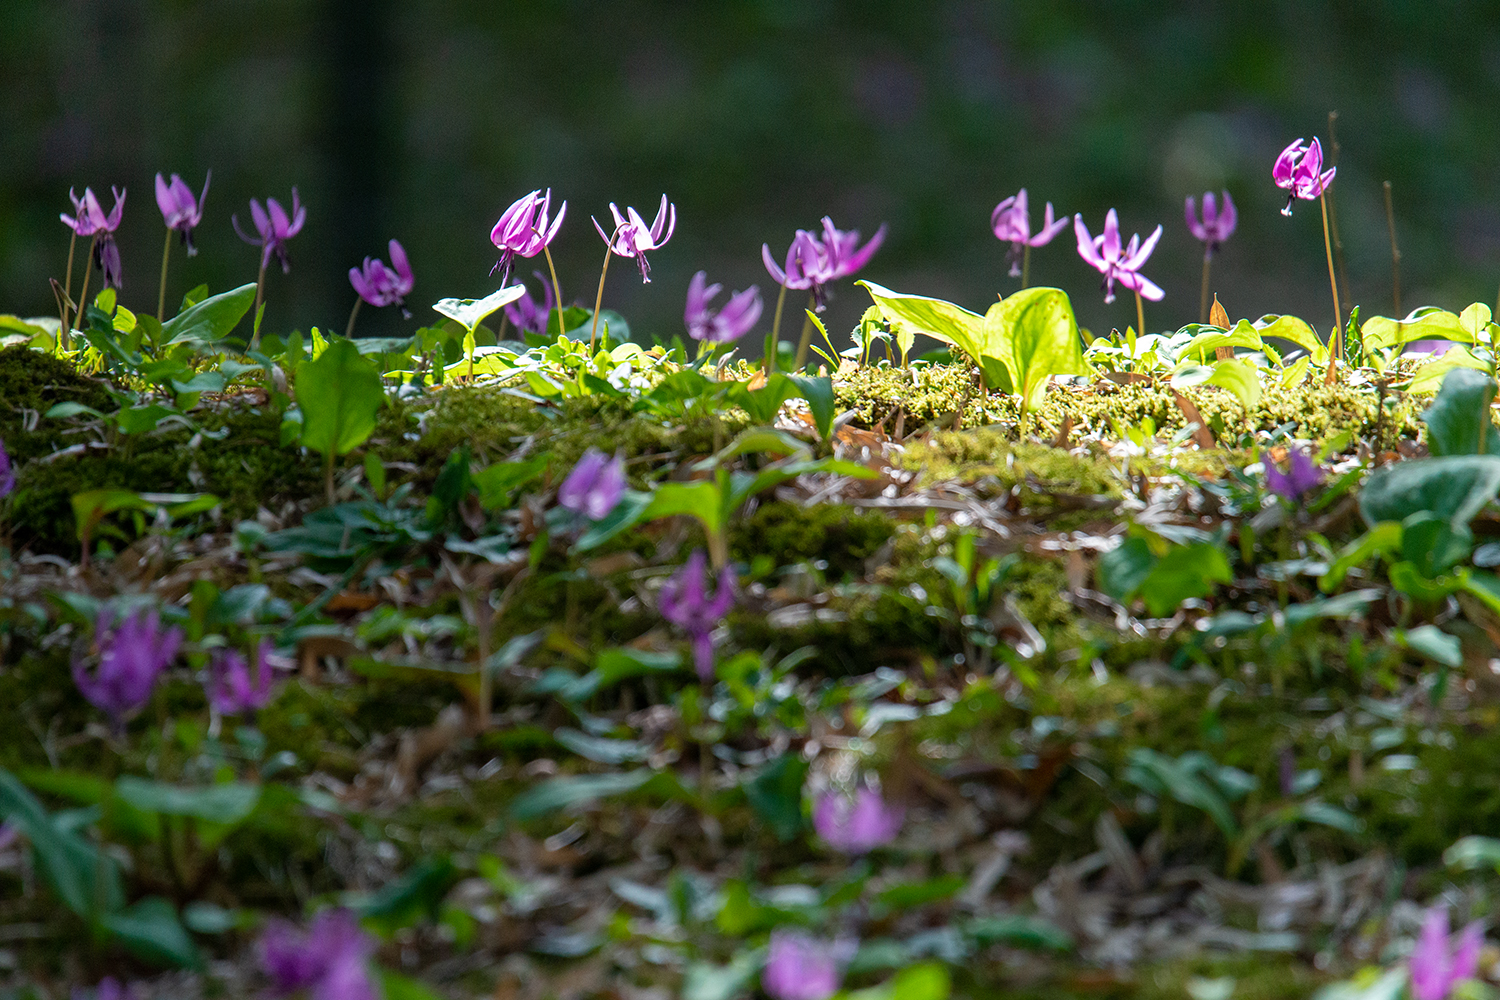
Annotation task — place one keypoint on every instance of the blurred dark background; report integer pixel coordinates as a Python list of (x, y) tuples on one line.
[(422, 120)]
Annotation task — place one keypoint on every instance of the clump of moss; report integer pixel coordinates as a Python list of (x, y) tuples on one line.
[(835, 534), (37, 381), (1039, 472)]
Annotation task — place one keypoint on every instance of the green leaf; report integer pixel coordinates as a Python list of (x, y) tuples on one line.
[(469, 313), (601, 750), (923, 981), (818, 391), (226, 804), (1158, 773), (203, 917), (1240, 379), (1209, 339), (1291, 328), (1324, 814), (1383, 538), (1433, 643), (1455, 487), (938, 319), (91, 507), (775, 793), (572, 790), (499, 481), (402, 901), (1432, 374), (627, 513), (1424, 323), (706, 981), (907, 895), (87, 881), (150, 930), (210, 320), (394, 986), (1433, 545), (1123, 569), (1469, 853), (1019, 931), (1034, 335), (339, 394), (1458, 422), (703, 500), (616, 664)]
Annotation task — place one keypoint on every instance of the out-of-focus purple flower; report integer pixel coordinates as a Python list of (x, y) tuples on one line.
[(1011, 221), (857, 825), (814, 263), (7, 474), (132, 656), (728, 324), (1299, 169), (384, 286), (330, 959), (179, 209), (523, 230), (109, 988), (684, 601), (632, 237), (1217, 222), (802, 967), (1437, 965), (235, 687), (274, 227), (88, 216), (1115, 261), (845, 255), (1301, 477), (9, 834), (595, 485), (526, 314)]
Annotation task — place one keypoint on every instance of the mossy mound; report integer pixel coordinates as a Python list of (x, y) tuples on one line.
[(36, 381)]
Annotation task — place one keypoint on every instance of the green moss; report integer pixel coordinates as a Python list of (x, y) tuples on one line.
[(1040, 474), (840, 536), (36, 381)]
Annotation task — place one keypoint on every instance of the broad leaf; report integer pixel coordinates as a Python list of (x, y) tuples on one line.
[(1458, 422), (1291, 328), (775, 793), (1424, 323), (945, 321), (210, 320), (572, 790), (469, 313), (1454, 487), (1240, 379), (1034, 335), (226, 804), (1208, 339), (339, 394), (151, 930), (86, 880), (1431, 375)]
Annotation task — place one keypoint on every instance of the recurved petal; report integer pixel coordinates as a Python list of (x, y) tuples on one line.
[(776, 273), (1286, 163), (1138, 256), (1086, 247)]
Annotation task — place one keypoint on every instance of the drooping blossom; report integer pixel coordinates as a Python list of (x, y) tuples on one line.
[(523, 230), (1438, 964), (685, 602), (109, 988), (733, 321), (595, 485), (132, 656), (330, 959), (1301, 477), (274, 227), (235, 687), (7, 474), (1116, 261), (526, 314), (1011, 221), (179, 209), (632, 237), (1216, 224), (802, 967), (1299, 169), (384, 286), (857, 825), (812, 263), (88, 219), (806, 263)]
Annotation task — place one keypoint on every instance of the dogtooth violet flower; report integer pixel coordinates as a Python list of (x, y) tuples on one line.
[(595, 485), (1301, 477), (235, 687), (523, 229), (1216, 223), (1011, 221), (384, 286), (632, 237), (1299, 169), (1115, 261), (856, 825), (685, 602), (330, 959), (802, 967), (109, 988), (132, 656), (730, 323), (88, 219), (7, 474), (812, 263), (1436, 964), (179, 209), (274, 227), (526, 315)]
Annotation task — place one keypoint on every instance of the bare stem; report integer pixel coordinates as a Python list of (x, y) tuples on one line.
[(1026, 265), (769, 361), (1140, 316), (599, 299), (1390, 223), (1333, 218), (260, 295), (83, 295), (557, 292), (349, 329), (161, 294), (1208, 257), (1333, 286), (68, 285), (807, 328)]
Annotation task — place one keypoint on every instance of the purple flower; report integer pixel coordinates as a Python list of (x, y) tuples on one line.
[(109, 988), (806, 263), (275, 228), (7, 475), (1117, 262), (1436, 965), (859, 825), (526, 315), (684, 601), (1216, 225), (132, 656), (595, 485), (1302, 477), (523, 231), (1298, 170), (813, 263), (730, 323), (384, 286), (89, 220), (632, 238), (1011, 221), (233, 687), (802, 967), (330, 959), (179, 209)]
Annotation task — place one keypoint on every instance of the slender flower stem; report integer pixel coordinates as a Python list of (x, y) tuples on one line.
[(83, 295), (557, 292), (260, 294), (349, 330), (1203, 293), (1333, 215), (1333, 285), (805, 340), (1026, 266), (68, 284), (161, 294), (1390, 223), (599, 299), (1140, 316), (768, 363)]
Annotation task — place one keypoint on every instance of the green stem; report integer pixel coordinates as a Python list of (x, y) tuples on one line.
[(1026, 266), (1390, 223), (68, 285), (260, 294), (1140, 316), (768, 363), (609, 250), (804, 341), (161, 294), (1203, 293), (349, 329), (557, 291), (1335, 339), (83, 295)]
